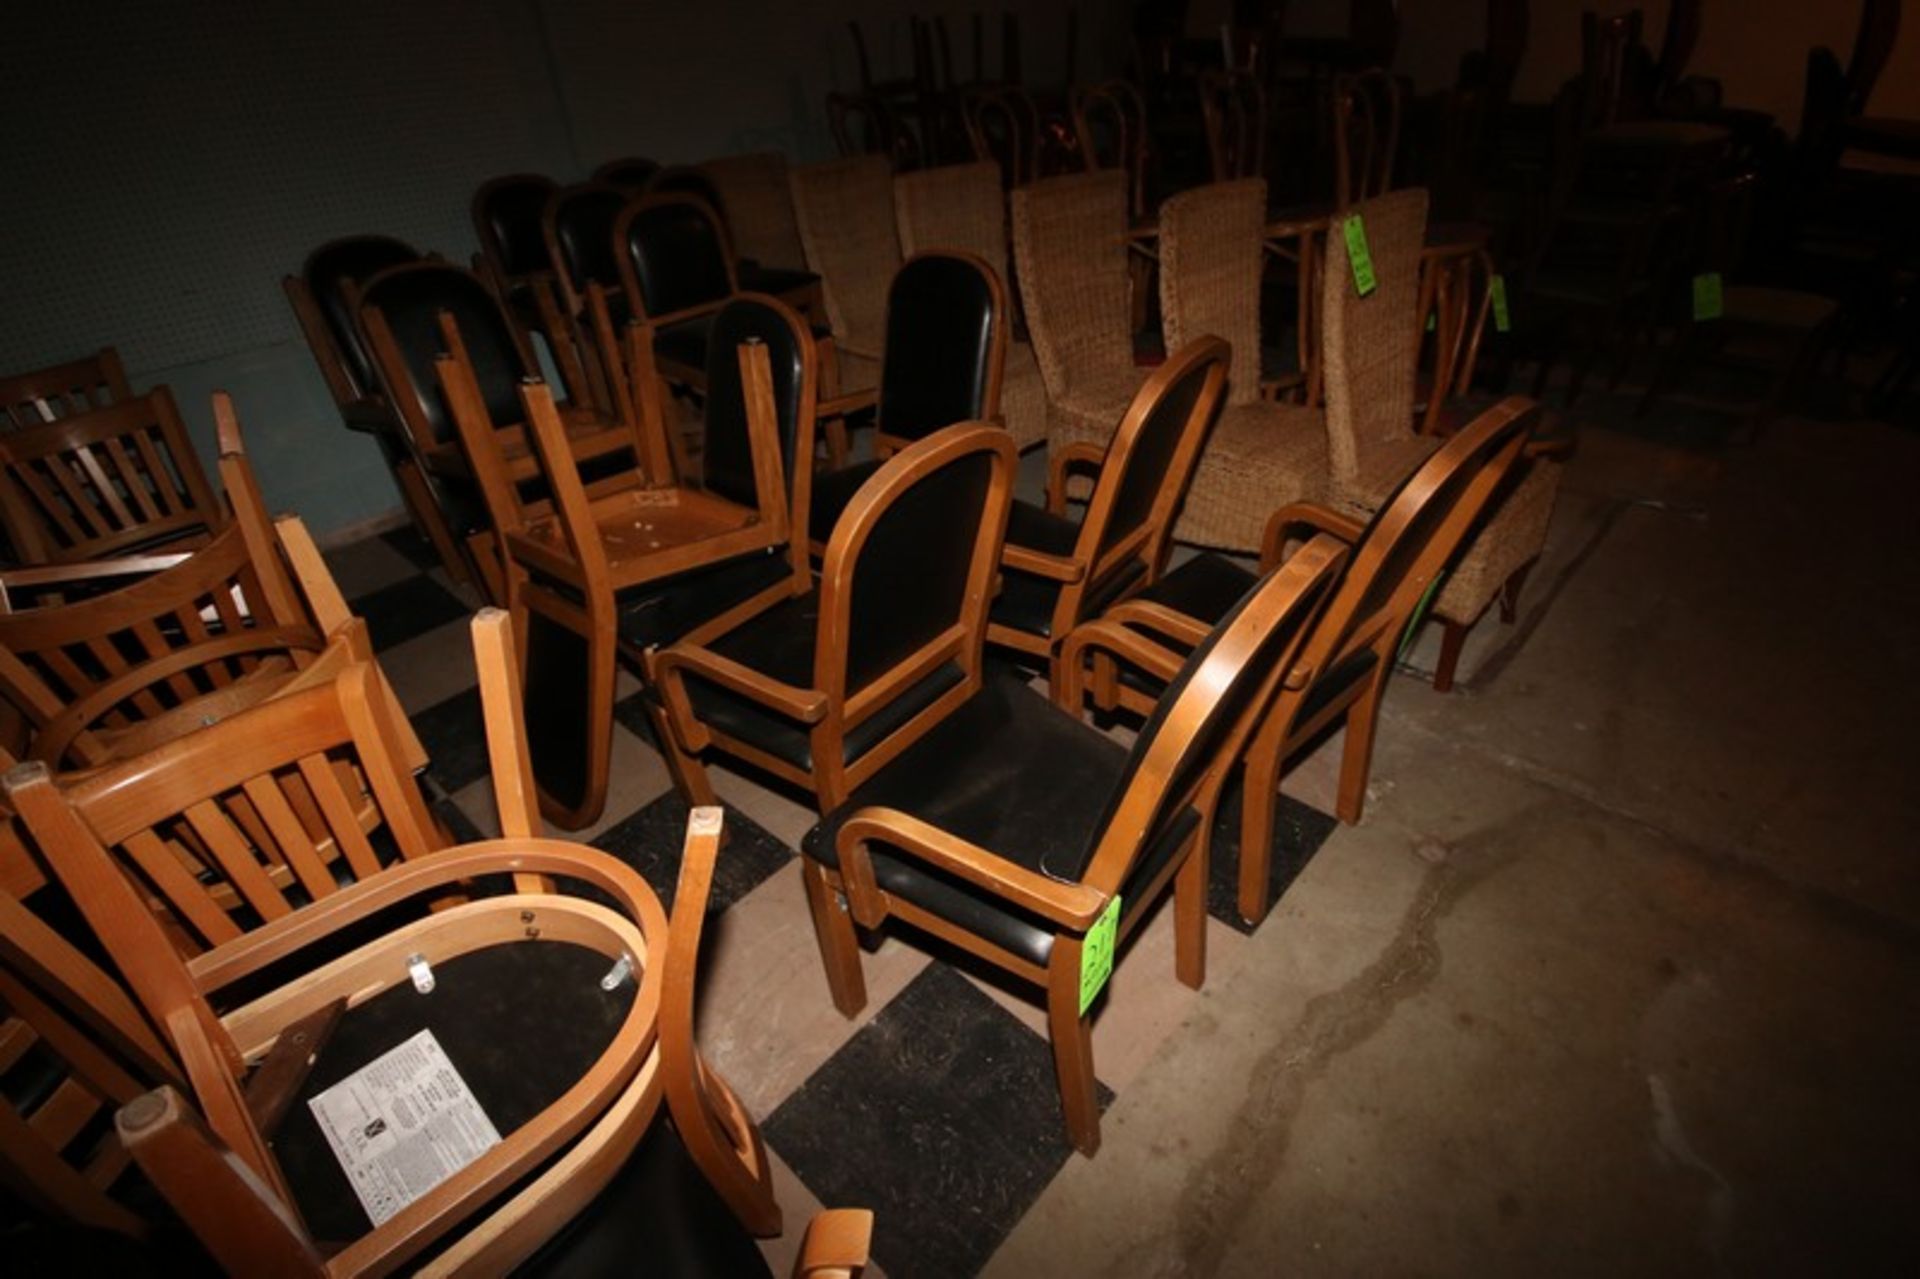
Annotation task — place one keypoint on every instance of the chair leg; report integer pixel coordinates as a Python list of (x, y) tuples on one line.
[(833, 929), (1072, 1038), (1190, 917), (1260, 781), (688, 773), (1453, 638), (1357, 758), (1510, 592)]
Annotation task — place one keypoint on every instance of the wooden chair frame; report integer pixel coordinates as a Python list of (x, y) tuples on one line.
[(1152, 540), (1233, 111), (827, 708), (72, 387), (1135, 632), (886, 444), (1072, 908), (1456, 290), (492, 256), (1019, 154), (685, 375), (1360, 101)]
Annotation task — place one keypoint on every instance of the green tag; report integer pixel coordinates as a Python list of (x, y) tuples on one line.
[(1502, 322), (1419, 616), (1433, 321), (1096, 954), (1358, 255), (1707, 301)]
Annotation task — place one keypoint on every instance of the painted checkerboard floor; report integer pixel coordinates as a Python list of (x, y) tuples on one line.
[(936, 1106)]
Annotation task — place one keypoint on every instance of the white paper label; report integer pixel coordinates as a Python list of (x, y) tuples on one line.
[(402, 1124)]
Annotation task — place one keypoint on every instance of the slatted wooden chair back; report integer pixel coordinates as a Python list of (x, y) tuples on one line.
[(1366, 134), (1233, 111), (73, 1048), (62, 390), (116, 480), (1110, 120)]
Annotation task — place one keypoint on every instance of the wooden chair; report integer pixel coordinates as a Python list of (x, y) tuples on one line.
[(113, 481), (533, 962), (1127, 657), (1013, 829), (1456, 297), (845, 212), (630, 173), (944, 362), (1058, 573), (1110, 120), (1233, 111), (1070, 254), (577, 227), (825, 688), (676, 272), (869, 124), (1262, 451), (83, 1049), (592, 578), (401, 312), (506, 221), (62, 390), (1003, 126), (962, 208), (1366, 134)]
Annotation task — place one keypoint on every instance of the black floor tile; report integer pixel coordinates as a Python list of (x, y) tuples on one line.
[(407, 540), (629, 713), (650, 841), (942, 1115), (454, 733), (397, 613), (1298, 832), (457, 821)]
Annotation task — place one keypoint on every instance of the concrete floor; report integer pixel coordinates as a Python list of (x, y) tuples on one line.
[(1618, 974)]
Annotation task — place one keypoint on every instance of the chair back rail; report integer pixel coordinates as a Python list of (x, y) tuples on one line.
[(62, 390)]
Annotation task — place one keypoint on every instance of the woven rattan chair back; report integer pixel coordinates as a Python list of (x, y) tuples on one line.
[(62, 390), (845, 212), (1370, 342), (757, 202), (1070, 249), (1211, 252)]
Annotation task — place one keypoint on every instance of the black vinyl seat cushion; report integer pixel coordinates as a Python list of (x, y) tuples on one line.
[(1026, 600), (657, 613), (1011, 773), (833, 491), (755, 278), (780, 644)]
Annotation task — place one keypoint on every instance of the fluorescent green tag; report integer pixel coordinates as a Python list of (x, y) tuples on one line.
[(1358, 255), (1708, 304), (1433, 321), (1419, 615), (1096, 954), (1502, 322)]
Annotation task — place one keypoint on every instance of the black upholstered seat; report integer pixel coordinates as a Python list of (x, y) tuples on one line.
[(658, 613)]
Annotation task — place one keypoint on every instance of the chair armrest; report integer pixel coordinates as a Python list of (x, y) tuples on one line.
[(851, 402), (1041, 564), (838, 1242), (1146, 615), (1293, 514), (1062, 461), (45, 575), (807, 705), (1111, 637), (1071, 906)]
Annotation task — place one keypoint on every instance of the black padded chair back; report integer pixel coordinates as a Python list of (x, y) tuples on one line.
[(678, 254), (630, 173), (410, 299), (728, 457), (909, 584), (942, 312), (329, 268), (582, 219), (507, 214), (1214, 704)]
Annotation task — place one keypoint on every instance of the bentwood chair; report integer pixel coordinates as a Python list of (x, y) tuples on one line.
[(1127, 657), (943, 363), (961, 208), (1003, 127), (1029, 838), (291, 981), (591, 578), (113, 481), (1110, 120), (62, 390), (1070, 254), (401, 311), (826, 687), (1058, 572)]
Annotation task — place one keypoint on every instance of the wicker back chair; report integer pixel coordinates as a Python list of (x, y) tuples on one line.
[(1070, 250), (1262, 453), (845, 212), (1370, 348), (960, 208), (758, 201)]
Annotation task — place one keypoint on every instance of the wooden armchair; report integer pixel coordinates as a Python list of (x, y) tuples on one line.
[(644, 563), (1029, 838), (1070, 254), (301, 981), (62, 390), (828, 686), (1127, 657), (113, 481), (961, 208), (1110, 120), (943, 363), (1058, 573)]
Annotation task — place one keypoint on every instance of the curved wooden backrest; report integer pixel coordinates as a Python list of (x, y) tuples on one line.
[(946, 348), (324, 305), (62, 390), (506, 220), (106, 482), (674, 257), (577, 225), (1456, 292), (1110, 120), (1233, 110), (1003, 126), (1188, 745), (1366, 134)]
